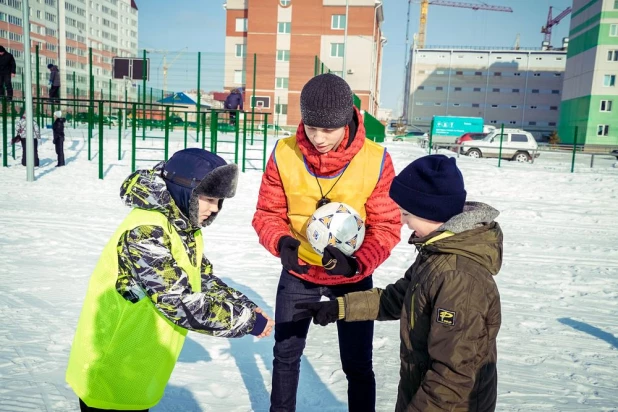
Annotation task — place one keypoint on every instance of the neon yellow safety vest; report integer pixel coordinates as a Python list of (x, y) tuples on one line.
[(302, 191), (123, 353)]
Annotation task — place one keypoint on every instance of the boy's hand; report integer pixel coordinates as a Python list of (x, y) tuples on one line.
[(336, 263), (322, 313), (270, 324), (288, 249)]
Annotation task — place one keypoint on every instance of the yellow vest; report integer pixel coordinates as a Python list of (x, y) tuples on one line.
[(302, 192), (123, 353)]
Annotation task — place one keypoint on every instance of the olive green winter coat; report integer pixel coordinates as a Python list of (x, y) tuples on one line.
[(449, 310)]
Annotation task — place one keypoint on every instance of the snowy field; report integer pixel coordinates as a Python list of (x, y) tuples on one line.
[(557, 349)]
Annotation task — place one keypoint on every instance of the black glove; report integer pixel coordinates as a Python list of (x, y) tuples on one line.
[(288, 249), (322, 313), (336, 263)]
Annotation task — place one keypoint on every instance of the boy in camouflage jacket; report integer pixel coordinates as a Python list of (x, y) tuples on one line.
[(152, 284)]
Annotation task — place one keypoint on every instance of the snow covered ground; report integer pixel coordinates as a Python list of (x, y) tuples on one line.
[(558, 346)]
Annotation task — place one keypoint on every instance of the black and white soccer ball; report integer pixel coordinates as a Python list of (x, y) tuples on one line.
[(336, 224)]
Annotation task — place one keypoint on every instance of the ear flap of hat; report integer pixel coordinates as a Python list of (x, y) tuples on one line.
[(220, 183)]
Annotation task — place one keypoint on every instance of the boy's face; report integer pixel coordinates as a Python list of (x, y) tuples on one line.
[(422, 227), (207, 206), (325, 140)]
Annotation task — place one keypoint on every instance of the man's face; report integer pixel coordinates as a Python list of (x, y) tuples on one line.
[(1, 53), (325, 140)]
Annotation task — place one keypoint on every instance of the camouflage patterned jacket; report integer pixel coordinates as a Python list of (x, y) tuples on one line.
[(146, 267)]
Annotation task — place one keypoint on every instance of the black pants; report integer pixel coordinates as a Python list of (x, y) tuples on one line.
[(85, 408), (36, 152), (5, 82), (60, 151), (54, 94)]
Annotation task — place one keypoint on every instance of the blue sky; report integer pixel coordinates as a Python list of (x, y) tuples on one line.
[(199, 25)]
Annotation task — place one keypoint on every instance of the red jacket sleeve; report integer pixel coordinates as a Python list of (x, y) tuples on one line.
[(270, 220), (383, 223)]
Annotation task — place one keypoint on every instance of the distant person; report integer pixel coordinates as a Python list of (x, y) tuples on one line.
[(153, 284), (234, 101), (58, 128), (21, 137), (447, 302), (54, 83), (7, 72)]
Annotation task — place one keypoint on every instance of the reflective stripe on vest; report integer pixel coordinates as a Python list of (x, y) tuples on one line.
[(302, 192), (123, 353)]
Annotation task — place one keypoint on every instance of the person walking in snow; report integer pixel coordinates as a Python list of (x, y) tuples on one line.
[(8, 68), (54, 83), (152, 284), (58, 129), (233, 102), (329, 159), (21, 137), (447, 302)]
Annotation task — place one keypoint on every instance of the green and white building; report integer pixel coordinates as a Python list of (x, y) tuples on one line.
[(590, 90)]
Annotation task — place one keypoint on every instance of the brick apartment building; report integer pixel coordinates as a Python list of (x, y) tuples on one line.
[(64, 30), (285, 36)]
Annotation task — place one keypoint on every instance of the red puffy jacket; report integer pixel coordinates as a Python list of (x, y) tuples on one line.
[(383, 221)]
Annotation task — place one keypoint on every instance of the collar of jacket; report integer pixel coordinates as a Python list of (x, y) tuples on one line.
[(327, 164)]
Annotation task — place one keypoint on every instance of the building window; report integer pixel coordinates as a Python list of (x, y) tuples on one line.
[(555, 92), (493, 121), (513, 106), (478, 73), (494, 106), (437, 104), (517, 74), (241, 50), (456, 104), (513, 122), (281, 82), (557, 74), (421, 88), (241, 25), (606, 105), (537, 74), (515, 90), (613, 30), (495, 90), (609, 80), (477, 89), (615, 4), (283, 55), (476, 105), (284, 27), (551, 124), (533, 107), (336, 50), (337, 22), (531, 123), (459, 73), (439, 88), (553, 107), (603, 130), (457, 89), (535, 91), (281, 109), (498, 74), (612, 56), (285, 3)]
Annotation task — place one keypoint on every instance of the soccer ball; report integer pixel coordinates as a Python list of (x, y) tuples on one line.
[(336, 224)]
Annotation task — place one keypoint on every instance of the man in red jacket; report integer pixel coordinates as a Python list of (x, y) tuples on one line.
[(329, 159)]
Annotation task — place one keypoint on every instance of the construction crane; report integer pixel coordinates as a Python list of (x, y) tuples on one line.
[(425, 8), (164, 63), (551, 22)]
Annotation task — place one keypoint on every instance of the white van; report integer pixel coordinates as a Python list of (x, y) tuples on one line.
[(517, 145)]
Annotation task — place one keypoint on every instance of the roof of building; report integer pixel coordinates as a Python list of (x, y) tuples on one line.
[(182, 98)]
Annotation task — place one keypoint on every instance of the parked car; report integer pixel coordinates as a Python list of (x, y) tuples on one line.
[(278, 130), (517, 145), (410, 135), (614, 153), (467, 137)]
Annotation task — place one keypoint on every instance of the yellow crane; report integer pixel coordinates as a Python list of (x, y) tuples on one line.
[(422, 30), (164, 63)]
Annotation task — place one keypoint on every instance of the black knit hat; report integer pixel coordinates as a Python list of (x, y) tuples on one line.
[(326, 101), (431, 187), (2, 49)]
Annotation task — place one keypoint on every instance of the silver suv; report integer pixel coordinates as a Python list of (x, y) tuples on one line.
[(517, 145)]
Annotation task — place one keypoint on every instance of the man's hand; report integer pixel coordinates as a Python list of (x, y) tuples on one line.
[(288, 250), (270, 324), (336, 263), (322, 313)]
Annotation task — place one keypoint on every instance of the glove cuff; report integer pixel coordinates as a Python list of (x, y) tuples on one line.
[(341, 304)]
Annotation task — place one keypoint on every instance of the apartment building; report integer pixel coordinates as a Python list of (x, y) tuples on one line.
[(64, 30), (285, 37), (520, 88), (590, 97)]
